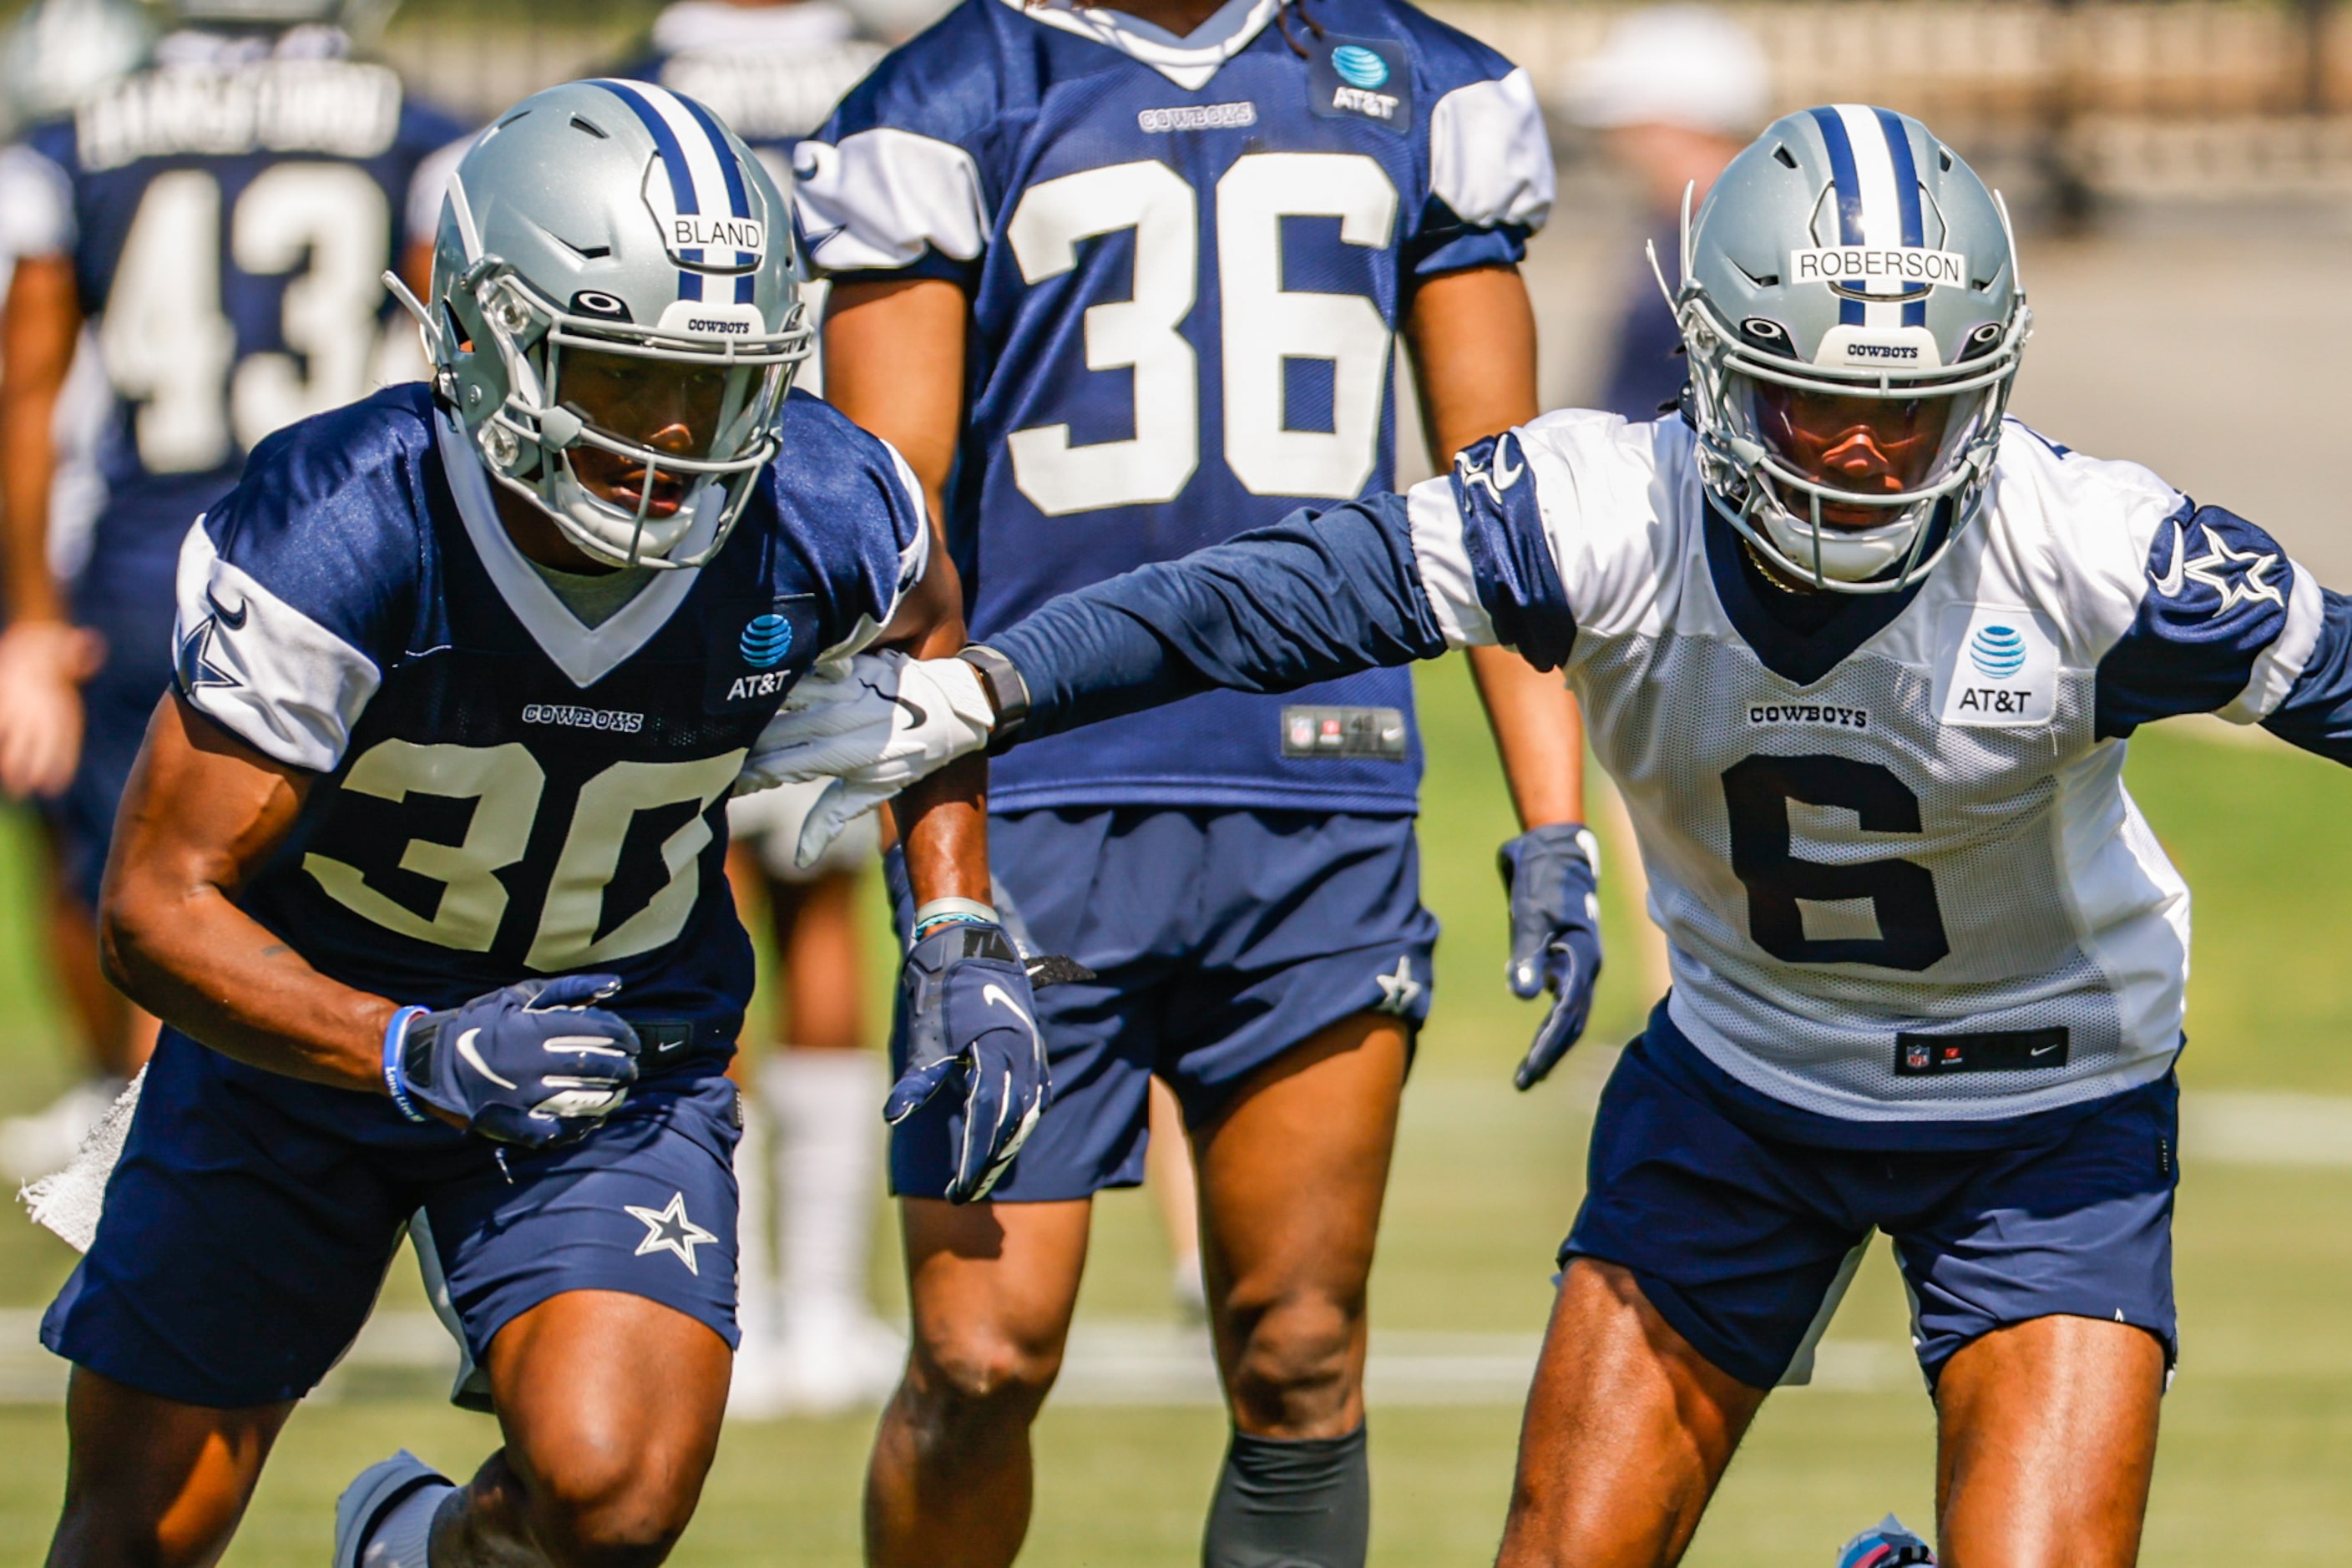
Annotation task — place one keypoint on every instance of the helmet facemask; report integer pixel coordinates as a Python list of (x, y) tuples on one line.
[(650, 469), (1836, 476)]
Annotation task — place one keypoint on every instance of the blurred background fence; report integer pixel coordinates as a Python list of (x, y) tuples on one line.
[(2073, 101)]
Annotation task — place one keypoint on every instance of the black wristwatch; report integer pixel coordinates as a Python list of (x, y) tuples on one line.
[(1007, 692)]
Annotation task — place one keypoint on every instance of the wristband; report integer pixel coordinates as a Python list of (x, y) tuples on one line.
[(952, 911), (395, 1035), (1008, 693)]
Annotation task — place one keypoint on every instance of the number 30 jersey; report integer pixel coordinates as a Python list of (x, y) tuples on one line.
[(230, 211), (1186, 260), (1890, 844), (502, 790)]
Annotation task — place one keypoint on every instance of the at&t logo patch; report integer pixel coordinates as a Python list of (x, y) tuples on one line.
[(1996, 667), (1361, 79)]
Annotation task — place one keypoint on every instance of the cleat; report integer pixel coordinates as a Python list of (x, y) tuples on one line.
[(1885, 1544), (372, 1494)]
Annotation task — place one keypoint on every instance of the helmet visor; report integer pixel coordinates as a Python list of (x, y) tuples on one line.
[(671, 405), (1872, 446)]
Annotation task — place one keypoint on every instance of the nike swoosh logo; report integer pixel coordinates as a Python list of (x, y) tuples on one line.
[(474, 1058), (232, 619), (1506, 473), (2042, 1050), (2169, 583), (996, 996), (915, 717)]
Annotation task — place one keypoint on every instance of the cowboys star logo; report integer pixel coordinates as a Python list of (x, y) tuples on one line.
[(2238, 576), (667, 1229)]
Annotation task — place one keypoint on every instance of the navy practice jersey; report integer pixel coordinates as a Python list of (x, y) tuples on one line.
[(1187, 259), (1900, 876), (502, 791), (230, 215)]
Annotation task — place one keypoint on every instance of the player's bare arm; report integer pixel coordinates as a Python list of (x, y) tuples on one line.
[(204, 810), (1472, 336), (44, 657)]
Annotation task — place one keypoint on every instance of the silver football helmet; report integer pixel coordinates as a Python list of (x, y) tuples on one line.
[(1851, 307), (615, 316), (59, 52)]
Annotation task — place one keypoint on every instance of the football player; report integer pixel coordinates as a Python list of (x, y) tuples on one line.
[(422, 866), (52, 56), (1121, 283), (771, 72), (1863, 655), (221, 218)]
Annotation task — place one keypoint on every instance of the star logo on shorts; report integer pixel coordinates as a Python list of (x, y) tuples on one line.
[(668, 1230), (1398, 989)]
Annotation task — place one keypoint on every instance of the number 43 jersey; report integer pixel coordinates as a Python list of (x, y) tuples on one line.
[(230, 211), (501, 790), (1892, 850), (1186, 259)]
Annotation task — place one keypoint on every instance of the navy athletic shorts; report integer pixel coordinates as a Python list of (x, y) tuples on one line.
[(134, 616), (1742, 1240), (1219, 939), (250, 1221)]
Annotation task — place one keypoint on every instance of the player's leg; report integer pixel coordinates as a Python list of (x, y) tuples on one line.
[(1175, 1190), (822, 1091), (151, 1480), (1627, 1432), (992, 1287), (609, 1406), (246, 1234), (595, 1285), (812, 1120), (1293, 1169), (2046, 1442), (2043, 1312), (1705, 1260)]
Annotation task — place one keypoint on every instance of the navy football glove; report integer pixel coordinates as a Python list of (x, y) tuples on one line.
[(531, 1064), (1552, 875), (971, 1022)]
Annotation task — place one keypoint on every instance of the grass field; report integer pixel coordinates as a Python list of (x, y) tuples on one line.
[(2258, 1432)]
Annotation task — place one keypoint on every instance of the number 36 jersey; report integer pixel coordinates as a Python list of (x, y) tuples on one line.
[(502, 790), (1186, 260), (1892, 850)]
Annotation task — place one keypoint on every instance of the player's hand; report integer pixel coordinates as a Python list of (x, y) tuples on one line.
[(533, 1063), (971, 1030), (872, 724), (42, 666), (1552, 875)]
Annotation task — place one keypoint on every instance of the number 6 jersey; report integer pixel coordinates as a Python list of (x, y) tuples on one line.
[(504, 789), (1186, 259), (1888, 838)]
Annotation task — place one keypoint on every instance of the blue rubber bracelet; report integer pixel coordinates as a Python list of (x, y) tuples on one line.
[(396, 1034), (958, 919)]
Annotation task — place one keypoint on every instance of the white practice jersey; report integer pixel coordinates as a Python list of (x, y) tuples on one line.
[(1894, 860)]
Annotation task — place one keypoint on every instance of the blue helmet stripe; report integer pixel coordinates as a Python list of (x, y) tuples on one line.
[(1848, 185), (739, 198), (673, 157), (1906, 191)]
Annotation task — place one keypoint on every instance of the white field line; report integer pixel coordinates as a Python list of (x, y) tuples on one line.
[(1145, 1364), (1109, 1363)]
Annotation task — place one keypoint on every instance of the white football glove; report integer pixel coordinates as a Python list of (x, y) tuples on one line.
[(872, 724)]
